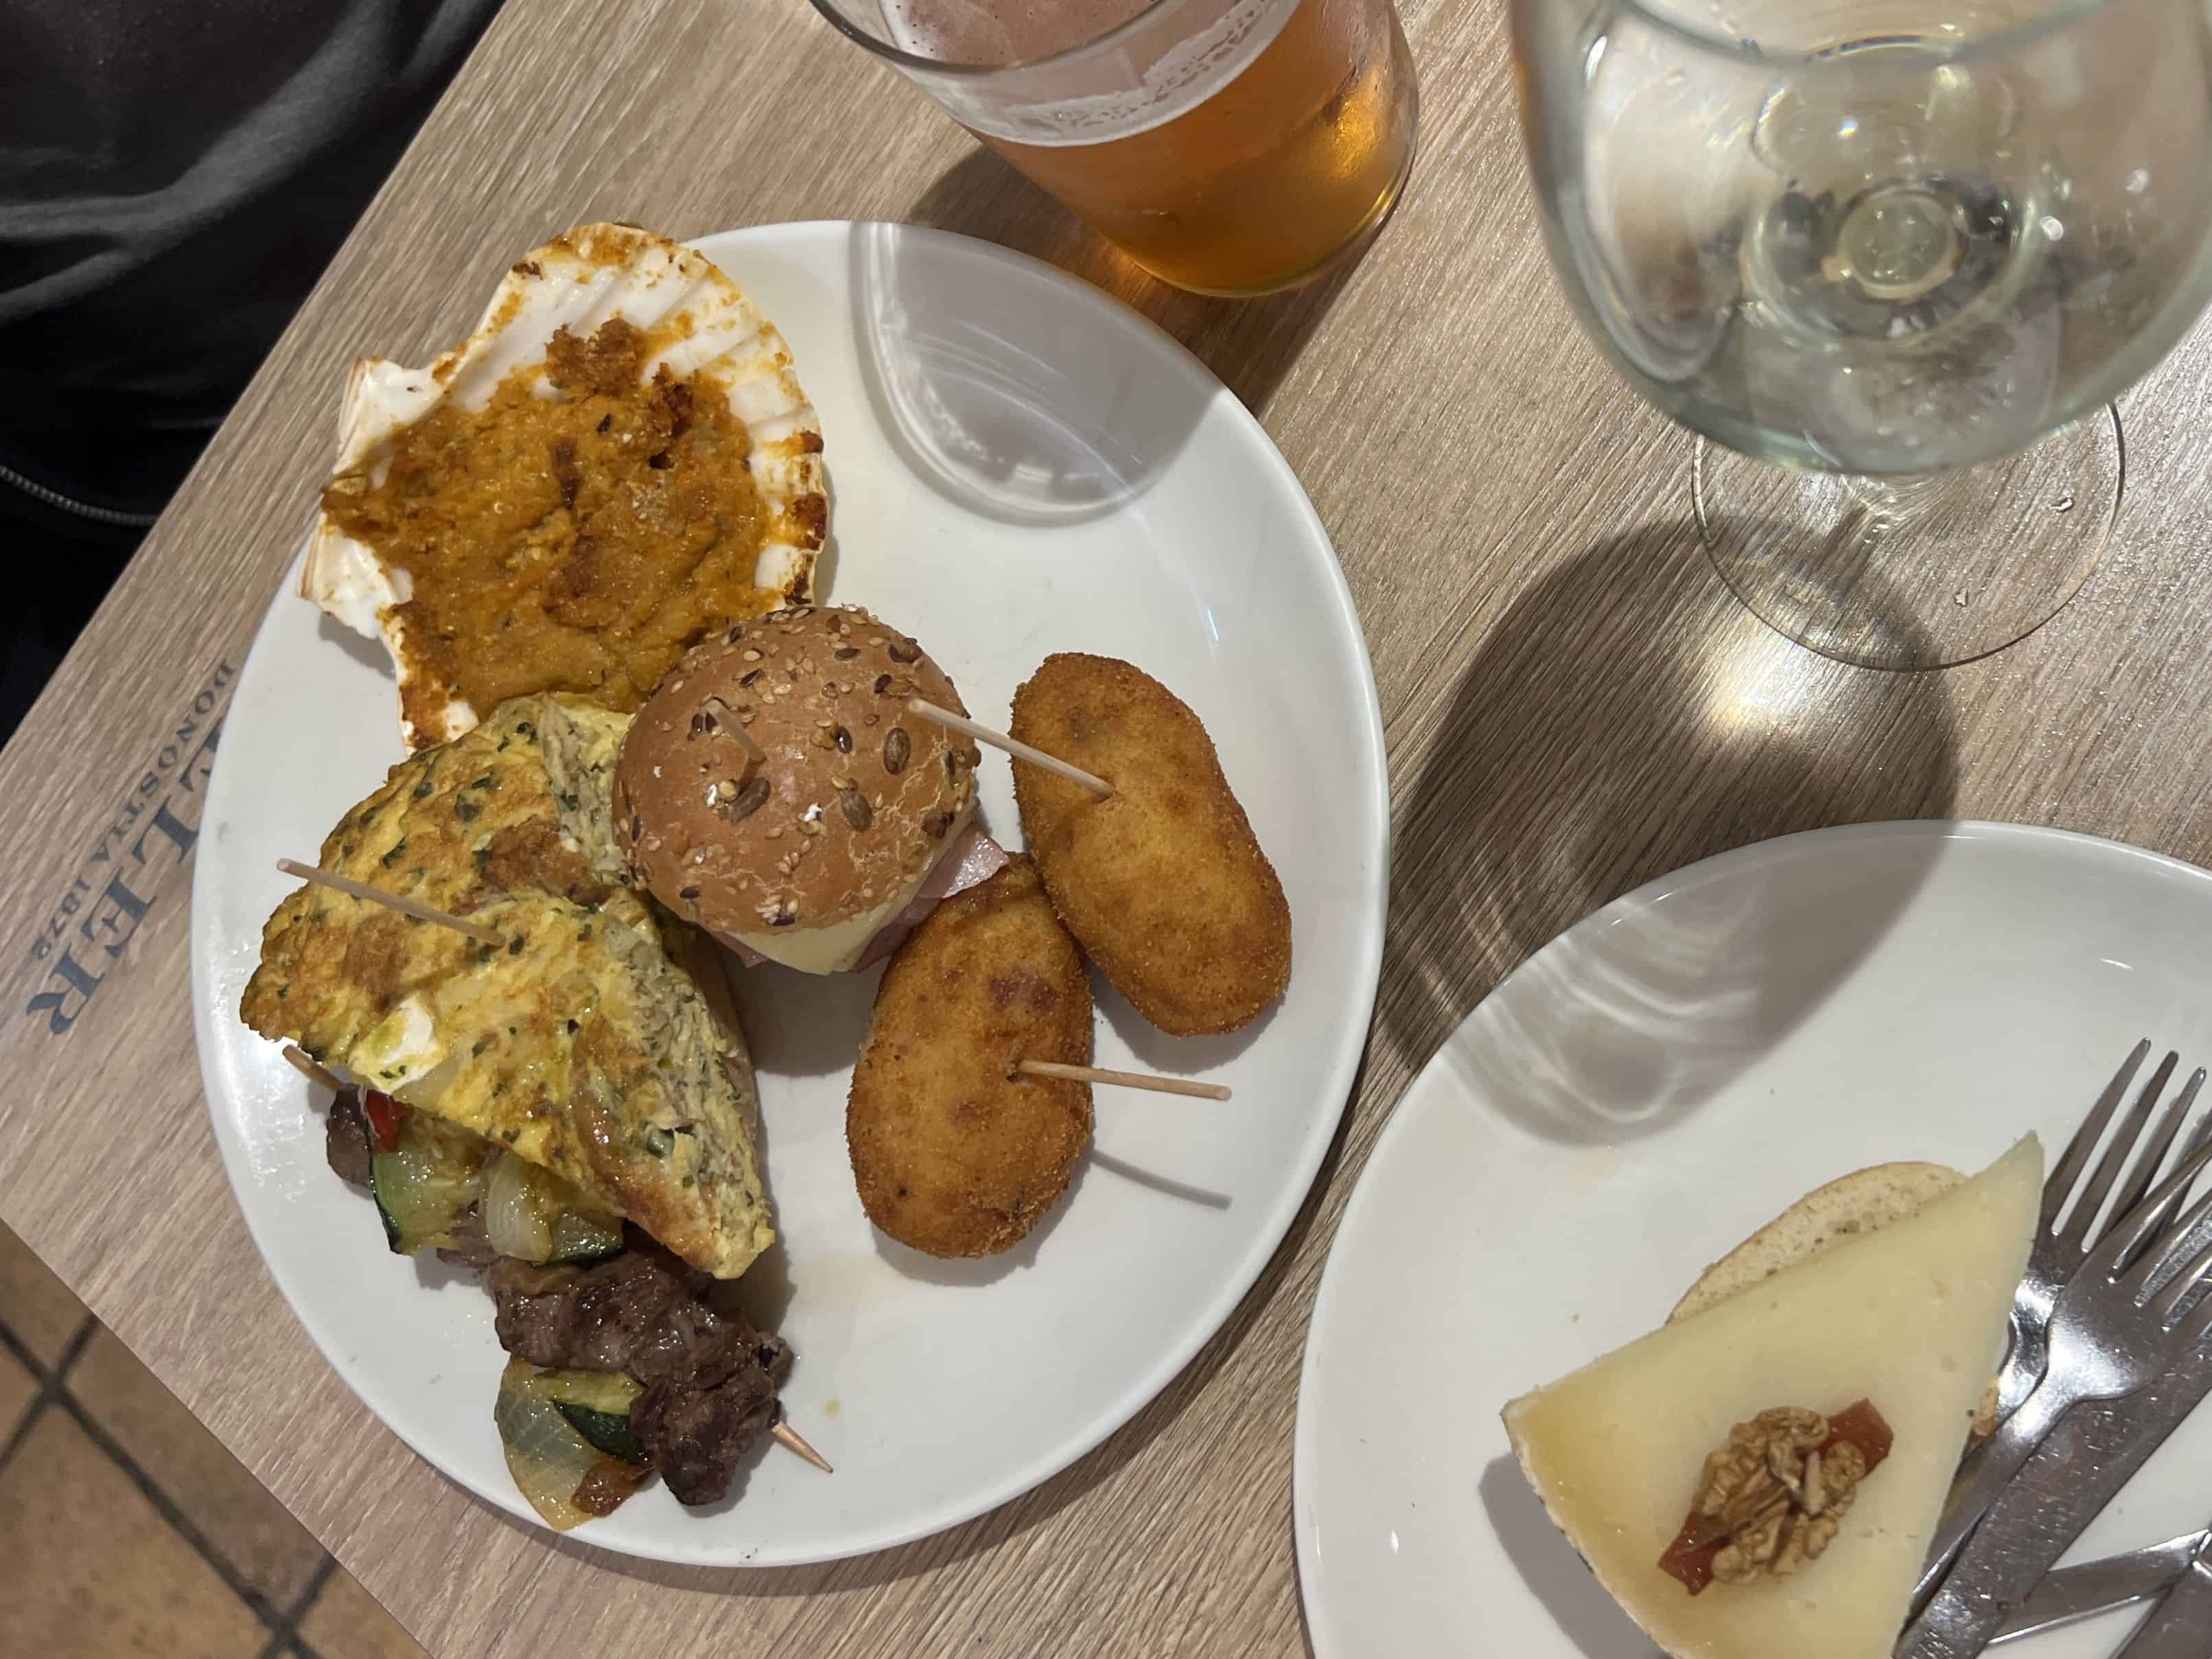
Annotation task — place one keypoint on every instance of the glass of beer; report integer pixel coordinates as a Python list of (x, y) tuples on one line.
[(1229, 147)]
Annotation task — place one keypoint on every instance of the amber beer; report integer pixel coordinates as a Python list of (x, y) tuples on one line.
[(1230, 146)]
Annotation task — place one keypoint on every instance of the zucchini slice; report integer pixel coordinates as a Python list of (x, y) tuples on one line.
[(423, 1184), (583, 1238), (597, 1405)]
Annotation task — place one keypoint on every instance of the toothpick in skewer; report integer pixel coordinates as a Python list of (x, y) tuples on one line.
[(704, 723), (756, 757), (790, 1437), (1161, 1085), (305, 1065), (406, 906), (1014, 746)]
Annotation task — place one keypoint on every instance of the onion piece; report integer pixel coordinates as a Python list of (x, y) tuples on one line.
[(534, 1215), (547, 1457), (515, 1219)]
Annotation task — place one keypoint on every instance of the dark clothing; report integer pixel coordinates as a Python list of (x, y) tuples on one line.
[(174, 174)]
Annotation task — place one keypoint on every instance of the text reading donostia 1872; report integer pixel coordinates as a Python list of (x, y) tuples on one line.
[(139, 854)]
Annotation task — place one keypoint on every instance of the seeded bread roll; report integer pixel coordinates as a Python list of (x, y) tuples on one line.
[(804, 852)]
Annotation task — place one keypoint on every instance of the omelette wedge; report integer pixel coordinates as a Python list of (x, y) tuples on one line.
[(593, 1042)]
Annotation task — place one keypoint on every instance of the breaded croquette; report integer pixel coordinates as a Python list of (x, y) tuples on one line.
[(1163, 884), (955, 1153)]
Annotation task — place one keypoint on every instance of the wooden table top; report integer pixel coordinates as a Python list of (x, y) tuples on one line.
[(1573, 704)]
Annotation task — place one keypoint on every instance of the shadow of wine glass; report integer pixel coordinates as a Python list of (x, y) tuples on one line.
[(1626, 718)]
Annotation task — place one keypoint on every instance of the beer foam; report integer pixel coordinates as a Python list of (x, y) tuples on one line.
[(1185, 74), (1000, 31)]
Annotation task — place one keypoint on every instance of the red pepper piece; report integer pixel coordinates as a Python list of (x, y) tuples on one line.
[(384, 1116)]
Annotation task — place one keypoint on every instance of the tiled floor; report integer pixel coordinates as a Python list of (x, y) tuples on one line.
[(124, 1526)]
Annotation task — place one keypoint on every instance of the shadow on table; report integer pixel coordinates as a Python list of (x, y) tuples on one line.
[(1250, 344), (1626, 717), (1010, 1520)]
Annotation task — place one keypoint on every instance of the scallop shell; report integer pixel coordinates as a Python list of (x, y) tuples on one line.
[(699, 322)]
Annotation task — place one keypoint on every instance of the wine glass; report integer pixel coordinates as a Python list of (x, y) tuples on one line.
[(1891, 260)]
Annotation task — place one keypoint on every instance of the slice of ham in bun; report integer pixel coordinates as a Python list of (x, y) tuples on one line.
[(775, 790), (974, 860)]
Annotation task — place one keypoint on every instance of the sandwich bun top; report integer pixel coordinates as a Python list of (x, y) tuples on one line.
[(835, 822), (1848, 1206)]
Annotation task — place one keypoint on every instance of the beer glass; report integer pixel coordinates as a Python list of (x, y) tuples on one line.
[(1891, 259), (1229, 147)]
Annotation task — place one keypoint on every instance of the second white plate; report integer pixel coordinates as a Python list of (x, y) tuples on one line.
[(1642, 1093), (1019, 465)]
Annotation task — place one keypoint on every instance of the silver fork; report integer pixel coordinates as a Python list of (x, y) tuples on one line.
[(2060, 1249), (2109, 1334)]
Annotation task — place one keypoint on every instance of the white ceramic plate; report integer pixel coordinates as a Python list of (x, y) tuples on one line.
[(1019, 465), (1646, 1090)]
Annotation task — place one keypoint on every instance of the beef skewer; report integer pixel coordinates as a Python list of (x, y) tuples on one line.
[(685, 1324)]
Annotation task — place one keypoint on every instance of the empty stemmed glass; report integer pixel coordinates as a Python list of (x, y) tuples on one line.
[(1890, 259)]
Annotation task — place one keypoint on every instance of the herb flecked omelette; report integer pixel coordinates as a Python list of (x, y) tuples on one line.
[(586, 1041)]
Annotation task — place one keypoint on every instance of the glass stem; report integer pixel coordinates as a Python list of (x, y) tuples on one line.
[(1885, 503)]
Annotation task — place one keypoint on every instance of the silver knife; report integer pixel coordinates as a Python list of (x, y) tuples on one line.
[(2087, 1460), (2073, 1594), (2180, 1625)]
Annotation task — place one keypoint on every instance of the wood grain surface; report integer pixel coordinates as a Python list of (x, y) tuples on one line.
[(1574, 704)]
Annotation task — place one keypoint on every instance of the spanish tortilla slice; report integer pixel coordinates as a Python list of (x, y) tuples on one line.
[(587, 1042)]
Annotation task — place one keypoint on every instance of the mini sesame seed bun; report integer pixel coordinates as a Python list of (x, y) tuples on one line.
[(774, 789)]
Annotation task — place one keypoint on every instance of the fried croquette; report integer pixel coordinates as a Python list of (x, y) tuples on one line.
[(1163, 884), (955, 1152)]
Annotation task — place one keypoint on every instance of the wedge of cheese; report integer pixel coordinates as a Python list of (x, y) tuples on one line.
[(1911, 1316)]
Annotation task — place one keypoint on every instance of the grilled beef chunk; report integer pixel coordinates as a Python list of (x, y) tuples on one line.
[(470, 1248), (589, 1319), (699, 1426), (346, 1138), (711, 1379)]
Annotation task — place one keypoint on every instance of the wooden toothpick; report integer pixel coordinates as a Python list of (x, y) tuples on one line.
[(406, 906), (308, 1069), (1014, 746), (1160, 1085), (792, 1437), (756, 757)]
